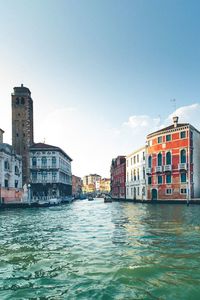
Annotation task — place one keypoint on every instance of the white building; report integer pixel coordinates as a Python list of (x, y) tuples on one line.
[(10, 172), (135, 175), (50, 171)]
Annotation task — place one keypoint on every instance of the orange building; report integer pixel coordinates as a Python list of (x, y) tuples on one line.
[(173, 162)]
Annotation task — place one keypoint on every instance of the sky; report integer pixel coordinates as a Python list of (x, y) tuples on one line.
[(102, 73)]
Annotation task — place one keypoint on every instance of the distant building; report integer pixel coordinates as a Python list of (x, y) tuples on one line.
[(136, 175), (50, 170), (76, 186), (91, 183), (118, 177), (173, 162), (22, 126), (10, 173), (104, 185)]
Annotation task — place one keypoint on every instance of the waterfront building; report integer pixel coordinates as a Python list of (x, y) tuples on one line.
[(118, 177), (22, 126), (104, 185), (136, 175), (173, 162), (76, 186), (10, 173), (91, 183), (50, 171)]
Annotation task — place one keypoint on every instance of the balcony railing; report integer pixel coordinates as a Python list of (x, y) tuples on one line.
[(158, 169), (148, 170), (182, 166), (167, 168)]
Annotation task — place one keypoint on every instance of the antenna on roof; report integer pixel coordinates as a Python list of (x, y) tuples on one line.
[(44, 141), (174, 103)]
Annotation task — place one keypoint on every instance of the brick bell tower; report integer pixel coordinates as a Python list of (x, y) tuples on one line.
[(22, 126)]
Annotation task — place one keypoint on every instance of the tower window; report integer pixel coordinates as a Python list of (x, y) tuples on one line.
[(17, 134), (17, 100), (22, 100)]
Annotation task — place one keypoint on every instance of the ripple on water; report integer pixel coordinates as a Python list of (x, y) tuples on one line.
[(90, 250)]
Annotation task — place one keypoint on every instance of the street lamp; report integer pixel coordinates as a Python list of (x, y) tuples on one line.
[(29, 193)]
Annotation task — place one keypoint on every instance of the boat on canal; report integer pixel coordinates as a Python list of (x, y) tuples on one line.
[(107, 199), (90, 198)]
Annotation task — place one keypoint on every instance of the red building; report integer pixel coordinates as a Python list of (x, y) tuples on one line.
[(76, 186), (118, 177), (173, 162)]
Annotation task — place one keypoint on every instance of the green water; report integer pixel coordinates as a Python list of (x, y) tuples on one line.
[(95, 250)]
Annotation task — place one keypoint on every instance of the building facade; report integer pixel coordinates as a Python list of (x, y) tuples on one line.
[(50, 171), (173, 162), (76, 186), (10, 173), (118, 177), (22, 126), (136, 175), (91, 183), (104, 185)]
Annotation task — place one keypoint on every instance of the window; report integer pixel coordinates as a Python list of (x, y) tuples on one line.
[(134, 174), (168, 178), (159, 179), (183, 191), (143, 155), (138, 158), (149, 179), (183, 177), (54, 161), (183, 156), (34, 161), (16, 170), (138, 174), (143, 172), (149, 161), (168, 137), (159, 159), (16, 183), (44, 176), (183, 134), (6, 183), (22, 100), (168, 191), (17, 100), (34, 176), (6, 165), (138, 191), (159, 139), (44, 161), (54, 175), (168, 158), (134, 159)]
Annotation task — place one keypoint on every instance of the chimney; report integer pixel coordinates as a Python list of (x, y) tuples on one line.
[(1, 136), (175, 121)]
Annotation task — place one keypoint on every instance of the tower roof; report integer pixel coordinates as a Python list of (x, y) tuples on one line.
[(22, 90)]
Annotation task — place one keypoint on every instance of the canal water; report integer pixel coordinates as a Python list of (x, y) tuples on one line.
[(96, 250)]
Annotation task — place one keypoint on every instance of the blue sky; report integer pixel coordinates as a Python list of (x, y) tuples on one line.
[(101, 73)]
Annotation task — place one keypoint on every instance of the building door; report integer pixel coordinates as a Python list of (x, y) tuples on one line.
[(154, 194)]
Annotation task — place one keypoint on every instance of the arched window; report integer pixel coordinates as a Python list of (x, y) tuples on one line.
[(183, 156), (53, 161), (159, 159), (168, 158), (149, 161), (16, 170), (44, 161), (17, 100), (34, 161), (22, 100)]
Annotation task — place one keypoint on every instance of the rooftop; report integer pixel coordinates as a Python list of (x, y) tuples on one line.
[(43, 146)]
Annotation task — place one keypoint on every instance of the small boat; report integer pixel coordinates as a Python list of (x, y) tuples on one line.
[(107, 199), (90, 198), (54, 201), (67, 199)]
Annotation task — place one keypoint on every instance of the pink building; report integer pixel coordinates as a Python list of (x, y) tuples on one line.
[(118, 177)]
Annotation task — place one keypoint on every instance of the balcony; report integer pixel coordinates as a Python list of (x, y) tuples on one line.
[(182, 167), (148, 170), (167, 168), (158, 169)]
